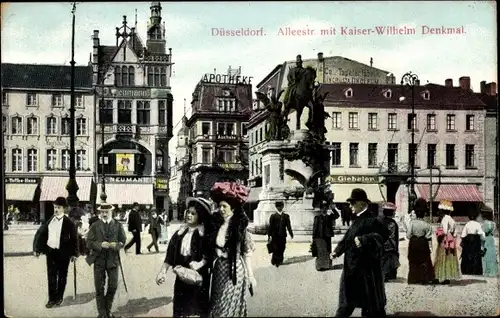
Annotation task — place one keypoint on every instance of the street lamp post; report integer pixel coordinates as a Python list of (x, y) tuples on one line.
[(72, 185), (411, 80)]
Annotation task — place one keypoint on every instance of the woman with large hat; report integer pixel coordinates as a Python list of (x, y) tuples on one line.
[(419, 233), (390, 258), (188, 258), (446, 258), (232, 246)]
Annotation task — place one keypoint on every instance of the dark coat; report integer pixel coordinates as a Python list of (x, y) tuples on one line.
[(93, 219), (134, 221), (69, 238), (154, 224), (323, 226), (96, 235), (279, 224), (362, 280)]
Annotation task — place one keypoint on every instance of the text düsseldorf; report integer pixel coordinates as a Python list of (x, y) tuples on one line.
[(237, 32)]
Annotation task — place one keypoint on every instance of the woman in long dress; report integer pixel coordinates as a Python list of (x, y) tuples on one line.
[(472, 241), (419, 233), (232, 247), (188, 248), (322, 238), (490, 260), (390, 258), (446, 258)]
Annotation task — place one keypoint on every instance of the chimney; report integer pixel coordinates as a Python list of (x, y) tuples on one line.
[(448, 82), (320, 56), (371, 61), (491, 89), (482, 87), (464, 82)]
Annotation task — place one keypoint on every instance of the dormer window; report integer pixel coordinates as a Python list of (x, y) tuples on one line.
[(348, 93), (388, 93), (226, 105), (426, 95)]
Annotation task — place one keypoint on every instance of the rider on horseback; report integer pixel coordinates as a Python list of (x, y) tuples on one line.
[(293, 78)]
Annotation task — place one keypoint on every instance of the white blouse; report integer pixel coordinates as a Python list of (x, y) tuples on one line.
[(221, 238), (473, 227), (186, 240), (448, 224)]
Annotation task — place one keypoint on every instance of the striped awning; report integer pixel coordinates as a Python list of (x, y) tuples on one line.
[(126, 193), (20, 191), (451, 192), (53, 187)]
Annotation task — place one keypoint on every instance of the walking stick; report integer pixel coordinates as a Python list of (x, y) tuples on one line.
[(121, 270), (74, 277)]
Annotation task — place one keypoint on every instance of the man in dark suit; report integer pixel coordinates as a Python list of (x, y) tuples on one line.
[(279, 223), (105, 239), (362, 280), (135, 226), (57, 238), (154, 223)]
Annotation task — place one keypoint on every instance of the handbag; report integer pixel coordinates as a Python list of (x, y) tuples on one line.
[(188, 275), (314, 249), (270, 247)]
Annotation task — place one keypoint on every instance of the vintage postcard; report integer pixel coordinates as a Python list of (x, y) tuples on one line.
[(250, 159)]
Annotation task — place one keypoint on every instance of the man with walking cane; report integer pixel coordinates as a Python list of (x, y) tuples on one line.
[(105, 239)]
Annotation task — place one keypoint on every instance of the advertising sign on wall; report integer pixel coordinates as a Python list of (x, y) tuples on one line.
[(125, 163)]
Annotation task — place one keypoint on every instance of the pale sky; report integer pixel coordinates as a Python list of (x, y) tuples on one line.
[(41, 33)]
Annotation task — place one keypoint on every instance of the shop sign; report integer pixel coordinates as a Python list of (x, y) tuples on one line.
[(161, 184), (352, 179), (227, 79), (125, 179), (127, 92), (22, 180)]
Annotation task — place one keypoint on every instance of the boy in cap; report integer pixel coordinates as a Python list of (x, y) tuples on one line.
[(104, 240), (57, 239), (279, 223)]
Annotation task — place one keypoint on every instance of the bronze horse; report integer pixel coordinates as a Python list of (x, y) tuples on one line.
[(301, 95)]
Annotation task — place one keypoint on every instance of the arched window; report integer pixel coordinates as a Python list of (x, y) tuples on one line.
[(159, 161), (125, 76), (131, 76), (118, 76), (163, 77)]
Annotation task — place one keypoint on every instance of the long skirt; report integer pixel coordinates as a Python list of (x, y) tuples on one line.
[(390, 265), (191, 300), (472, 263), (279, 246), (324, 248), (227, 299), (421, 270), (446, 264), (490, 261)]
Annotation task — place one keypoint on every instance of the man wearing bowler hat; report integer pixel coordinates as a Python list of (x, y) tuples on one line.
[(279, 223), (104, 240), (57, 238), (362, 280)]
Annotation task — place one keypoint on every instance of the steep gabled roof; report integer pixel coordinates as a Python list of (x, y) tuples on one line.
[(44, 76)]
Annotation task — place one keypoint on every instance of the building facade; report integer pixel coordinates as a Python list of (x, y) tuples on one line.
[(488, 95), (36, 124), (218, 137), (134, 114)]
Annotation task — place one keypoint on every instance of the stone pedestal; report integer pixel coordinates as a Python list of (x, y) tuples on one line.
[(300, 210)]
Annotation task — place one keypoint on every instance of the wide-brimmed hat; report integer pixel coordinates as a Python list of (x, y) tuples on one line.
[(445, 205), (61, 201), (222, 191), (105, 207), (203, 203), (279, 204), (358, 195)]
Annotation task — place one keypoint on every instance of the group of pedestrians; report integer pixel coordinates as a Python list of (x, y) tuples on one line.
[(211, 256), (478, 252)]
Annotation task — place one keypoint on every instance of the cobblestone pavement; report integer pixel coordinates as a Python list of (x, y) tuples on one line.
[(294, 289)]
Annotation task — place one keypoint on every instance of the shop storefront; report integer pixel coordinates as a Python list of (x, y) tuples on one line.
[(55, 186), (23, 194), (161, 196), (342, 186), (126, 190)]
